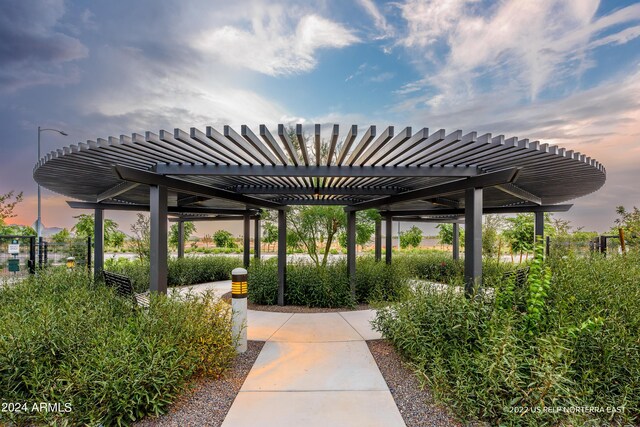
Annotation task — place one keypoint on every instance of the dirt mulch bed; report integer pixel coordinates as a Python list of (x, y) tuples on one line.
[(209, 401), (416, 406), (296, 308)]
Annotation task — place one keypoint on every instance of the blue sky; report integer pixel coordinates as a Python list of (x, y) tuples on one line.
[(562, 72)]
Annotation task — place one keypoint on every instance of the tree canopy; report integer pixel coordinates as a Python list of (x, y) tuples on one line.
[(188, 229), (85, 227)]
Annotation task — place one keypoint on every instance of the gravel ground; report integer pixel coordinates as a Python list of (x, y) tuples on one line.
[(296, 308), (208, 403), (416, 406)]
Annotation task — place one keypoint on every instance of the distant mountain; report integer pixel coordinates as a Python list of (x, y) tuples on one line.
[(47, 231)]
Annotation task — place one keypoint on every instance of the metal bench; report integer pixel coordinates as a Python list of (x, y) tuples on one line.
[(124, 288)]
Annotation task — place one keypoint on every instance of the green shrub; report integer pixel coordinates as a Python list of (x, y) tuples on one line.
[(327, 286), (571, 342), (307, 284), (181, 271), (65, 340), (378, 281), (440, 267)]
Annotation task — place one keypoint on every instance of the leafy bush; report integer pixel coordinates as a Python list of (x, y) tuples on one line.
[(224, 239), (63, 339), (411, 237), (325, 286), (181, 271), (565, 343), (306, 284), (440, 267)]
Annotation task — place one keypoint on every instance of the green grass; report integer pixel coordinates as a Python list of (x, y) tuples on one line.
[(573, 344), (64, 339)]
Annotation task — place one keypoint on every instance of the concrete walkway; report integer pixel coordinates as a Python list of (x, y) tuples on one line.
[(314, 370)]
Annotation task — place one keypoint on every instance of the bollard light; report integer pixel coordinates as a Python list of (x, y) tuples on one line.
[(239, 307), (71, 262)]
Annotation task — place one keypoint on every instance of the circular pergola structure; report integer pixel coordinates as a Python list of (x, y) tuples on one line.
[(416, 176)]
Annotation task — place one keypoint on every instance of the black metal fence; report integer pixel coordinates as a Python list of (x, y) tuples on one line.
[(17, 255), (21, 255), (605, 244)]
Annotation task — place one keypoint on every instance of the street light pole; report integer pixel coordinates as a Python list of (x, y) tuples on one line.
[(39, 220)]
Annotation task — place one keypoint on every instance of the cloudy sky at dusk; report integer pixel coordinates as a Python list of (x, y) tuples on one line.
[(561, 72)]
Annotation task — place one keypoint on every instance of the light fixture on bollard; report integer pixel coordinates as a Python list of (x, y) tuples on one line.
[(239, 308)]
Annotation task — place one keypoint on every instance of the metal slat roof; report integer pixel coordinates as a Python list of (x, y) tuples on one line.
[(359, 166)]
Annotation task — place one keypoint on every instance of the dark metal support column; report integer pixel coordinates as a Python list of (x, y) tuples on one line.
[(257, 231), (473, 240), (351, 250), (98, 243), (282, 255), (158, 252), (180, 239), (456, 241), (538, 228), (378, 240), (388, 239), (246, 238)]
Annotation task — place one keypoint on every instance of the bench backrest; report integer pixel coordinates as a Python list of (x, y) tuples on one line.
[(520, 276), (121, 284)]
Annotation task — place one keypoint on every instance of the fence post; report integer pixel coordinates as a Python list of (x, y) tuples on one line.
[(46, 253), (548, 244), (32, 254), (603, 245), (89, 253), (40, 248)]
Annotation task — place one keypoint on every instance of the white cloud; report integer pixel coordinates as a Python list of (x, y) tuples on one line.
[(379, 20), (273, 45), (525, 46)]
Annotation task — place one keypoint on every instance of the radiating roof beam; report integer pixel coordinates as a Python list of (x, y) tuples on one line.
[(189, 146), (346, 145), (443, 201), (302, 143), (270, 141), (520, 193), (252, 139), (116, 190), (380, 141), (203, 145), (332, 145), (362, 145), (389, 146), (223, 144), (489, 210), (149, 178), (153, 139), (316, 171), (317, 144), (288, 145), (239, 141), (480, 181), (409, 156)]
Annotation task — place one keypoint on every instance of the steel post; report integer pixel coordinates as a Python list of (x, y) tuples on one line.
[(158, 249), (473, 240)]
